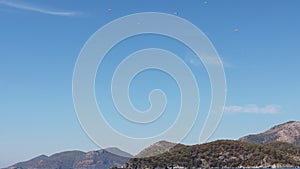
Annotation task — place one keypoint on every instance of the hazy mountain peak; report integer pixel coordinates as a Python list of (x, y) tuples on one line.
[(118, 152), (156, 149)]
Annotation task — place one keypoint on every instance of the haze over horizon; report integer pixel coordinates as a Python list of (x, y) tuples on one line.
[(258, 42)]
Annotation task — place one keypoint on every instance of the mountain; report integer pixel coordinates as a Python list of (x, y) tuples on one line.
[(278, 147), (155, 149), (288, 132), (102, 159), (223, 154)]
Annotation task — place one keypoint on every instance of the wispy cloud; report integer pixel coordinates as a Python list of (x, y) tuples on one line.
[(253, 108), (194, 60), (30, 7)]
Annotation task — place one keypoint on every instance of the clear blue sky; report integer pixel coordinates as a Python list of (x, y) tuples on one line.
[(259, 42)]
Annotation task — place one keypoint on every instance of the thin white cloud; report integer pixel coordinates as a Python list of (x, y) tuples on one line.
[(194, 60), (253, 108), (30, 7)]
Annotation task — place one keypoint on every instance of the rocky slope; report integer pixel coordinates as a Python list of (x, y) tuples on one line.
[(101, 159), (288, 132)]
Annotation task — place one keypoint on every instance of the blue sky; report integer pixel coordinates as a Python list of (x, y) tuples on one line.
[(40, 42)]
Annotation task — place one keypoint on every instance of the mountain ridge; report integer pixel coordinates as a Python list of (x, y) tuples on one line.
[(276, 147), (288, 132), (222, 154)]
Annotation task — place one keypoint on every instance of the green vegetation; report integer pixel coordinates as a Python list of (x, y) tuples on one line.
[(223, 154)]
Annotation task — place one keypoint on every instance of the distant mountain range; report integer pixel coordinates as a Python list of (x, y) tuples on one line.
[(275, 148), (102, 159)]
